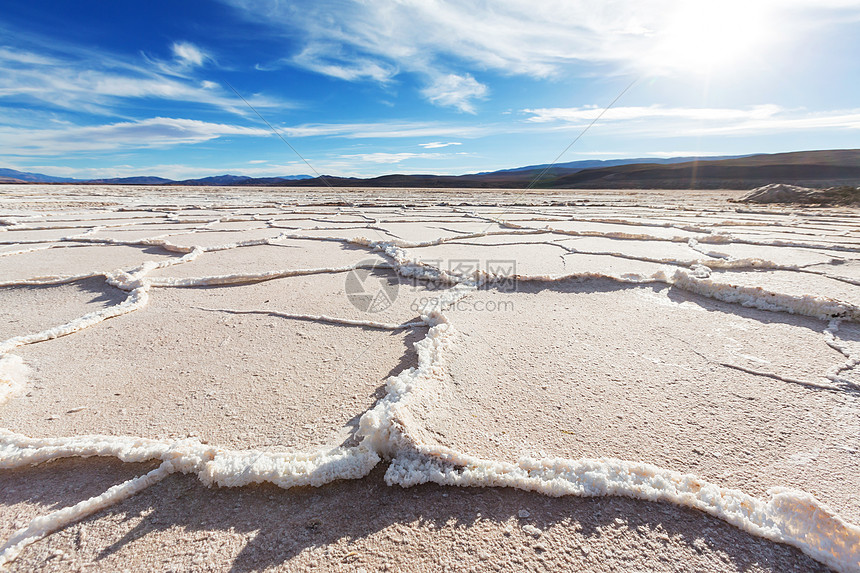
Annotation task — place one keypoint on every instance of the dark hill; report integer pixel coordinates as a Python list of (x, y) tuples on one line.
[(809, 169), (805, 168)]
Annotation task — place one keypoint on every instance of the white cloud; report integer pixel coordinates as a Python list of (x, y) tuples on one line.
[(22, 57), (457, 91), (671, 122), (188, 54), (438, 144), (328, 60), (391, 129), (97, 82), (148, 133), (434, 38), (589, 113), (391, 157)]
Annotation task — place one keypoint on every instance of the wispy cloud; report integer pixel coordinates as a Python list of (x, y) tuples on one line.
[(186, 58), (78, 79), (454, 90), (156, 132), (672, 122), (391, 157), (438, 144), (388, 129), (443, 40), (328, 59), (189, 54), (589, 113)]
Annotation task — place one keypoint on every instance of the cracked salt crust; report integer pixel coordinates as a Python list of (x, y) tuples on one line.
[(396, 428)]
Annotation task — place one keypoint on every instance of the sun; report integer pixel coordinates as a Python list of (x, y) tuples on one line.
[(707, 36)]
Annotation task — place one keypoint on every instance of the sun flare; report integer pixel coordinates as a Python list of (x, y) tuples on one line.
[(704, 36)]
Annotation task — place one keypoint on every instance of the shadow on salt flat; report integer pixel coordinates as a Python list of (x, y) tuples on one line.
[(365, 523), (28, 493), (30, 309), (77, 260)]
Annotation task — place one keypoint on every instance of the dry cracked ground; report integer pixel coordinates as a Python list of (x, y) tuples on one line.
[(255, 379)]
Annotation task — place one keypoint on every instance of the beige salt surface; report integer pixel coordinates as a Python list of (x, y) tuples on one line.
[(848, 269), (821, 242), (13, 249), (373, 234), (245, 224), (511, 237), (286, 254), (34, 308), (78, 260), (141, 234), (626, 378), (611, 228), (79, 222), (521, 259), (419, 232), (205, 238), (336, 296), (827, 230), (582, 368), (25, 236), (233, 380), (464, 228), (319, 223), (788, 256), (679, 253), (581, 263)]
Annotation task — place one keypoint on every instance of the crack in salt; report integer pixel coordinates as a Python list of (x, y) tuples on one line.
[(389, 431)]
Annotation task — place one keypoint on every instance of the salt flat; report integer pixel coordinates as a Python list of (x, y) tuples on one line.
[(242, 379)]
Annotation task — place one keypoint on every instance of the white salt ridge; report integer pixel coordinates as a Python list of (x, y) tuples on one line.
[(25, 251), (851, 362), (13, 376), (792, 517), (697, 281), (50, 280), (42, 526), (715, 238), (389, 430), (136, 299), (213, 466), (756, 297)]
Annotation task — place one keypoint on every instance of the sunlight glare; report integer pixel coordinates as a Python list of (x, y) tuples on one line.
[(704, 35)]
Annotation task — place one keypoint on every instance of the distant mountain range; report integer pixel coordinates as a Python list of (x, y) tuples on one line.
[(805, 168), (13, 176)]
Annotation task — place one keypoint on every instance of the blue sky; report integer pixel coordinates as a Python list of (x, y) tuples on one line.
[(362, 88)]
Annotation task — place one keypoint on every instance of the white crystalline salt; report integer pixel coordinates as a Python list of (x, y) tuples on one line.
[(389, 430), (13, 376)]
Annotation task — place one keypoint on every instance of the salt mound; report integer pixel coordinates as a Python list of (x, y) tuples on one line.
[(782, 193)]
